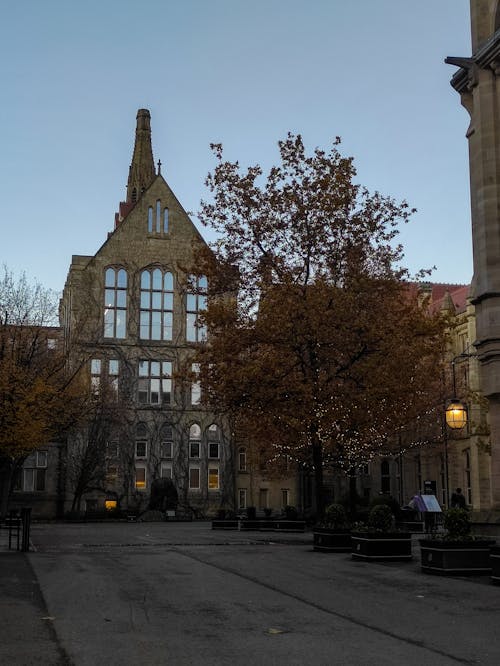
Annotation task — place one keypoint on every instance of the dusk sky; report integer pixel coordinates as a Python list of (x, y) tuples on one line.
[(241, 73)]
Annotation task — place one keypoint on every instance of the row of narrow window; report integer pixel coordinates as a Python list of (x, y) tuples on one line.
[(166, 452), (156, 305), (194, 476), (154, 380), (158, 219)]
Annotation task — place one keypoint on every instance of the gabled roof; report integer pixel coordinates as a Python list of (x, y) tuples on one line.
[(451, 297)]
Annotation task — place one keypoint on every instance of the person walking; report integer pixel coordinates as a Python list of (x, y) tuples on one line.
[(458, 500)]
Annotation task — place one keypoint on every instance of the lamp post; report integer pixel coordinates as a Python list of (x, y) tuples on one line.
[(455, 419)]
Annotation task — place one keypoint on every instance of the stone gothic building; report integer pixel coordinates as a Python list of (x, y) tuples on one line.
[(129, 317)]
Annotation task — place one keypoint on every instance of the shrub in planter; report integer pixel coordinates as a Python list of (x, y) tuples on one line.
[(333, 533), (457, 551), (380, 519), (379, 539)]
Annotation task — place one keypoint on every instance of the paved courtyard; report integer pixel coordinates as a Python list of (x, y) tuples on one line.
[(182, 594)]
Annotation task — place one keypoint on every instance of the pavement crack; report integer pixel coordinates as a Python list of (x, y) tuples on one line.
[(343, 616)]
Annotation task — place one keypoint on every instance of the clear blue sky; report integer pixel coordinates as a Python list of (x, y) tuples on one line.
[(73, 75)]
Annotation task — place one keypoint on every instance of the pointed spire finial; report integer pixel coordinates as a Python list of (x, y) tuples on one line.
[(142, 169)]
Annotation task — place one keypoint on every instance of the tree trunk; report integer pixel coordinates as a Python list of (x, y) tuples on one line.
[(353, 493), (317, 457)]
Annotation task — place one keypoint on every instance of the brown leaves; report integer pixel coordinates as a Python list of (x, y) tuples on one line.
[(325, 347)]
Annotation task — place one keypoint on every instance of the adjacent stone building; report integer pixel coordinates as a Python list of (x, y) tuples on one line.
[(478, 83)]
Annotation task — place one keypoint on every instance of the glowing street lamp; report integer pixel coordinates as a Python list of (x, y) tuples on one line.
[(456, 415)]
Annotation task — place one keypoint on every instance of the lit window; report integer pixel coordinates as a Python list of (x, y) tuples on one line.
[(157, 304), (115, 303), (140, 477), (194, 478), (213, 478), (155, 382), (196, 304), (110, 505), (195, 385)]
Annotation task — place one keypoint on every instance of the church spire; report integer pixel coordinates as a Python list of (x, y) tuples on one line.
[(142, 169)]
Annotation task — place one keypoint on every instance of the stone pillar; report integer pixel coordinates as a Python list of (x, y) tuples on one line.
[(478, 82)]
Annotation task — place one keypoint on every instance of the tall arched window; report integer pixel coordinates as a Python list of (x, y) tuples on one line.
[(194, 441), (141, 441), (196, 303), (166, 441), (115, 303), (157, 304), (213, 437), (158, 218)]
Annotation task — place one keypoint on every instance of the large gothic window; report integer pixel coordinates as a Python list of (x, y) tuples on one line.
[(115, 303), (157, 304), (154, 383)]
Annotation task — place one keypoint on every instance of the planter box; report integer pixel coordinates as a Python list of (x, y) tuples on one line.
[(378, 546), (456, 557), (246, 524), (327, 540), (224, 524), (289, 525), (495, 563)]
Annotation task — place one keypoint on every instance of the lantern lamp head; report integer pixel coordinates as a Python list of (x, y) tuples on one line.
[(456, 415)]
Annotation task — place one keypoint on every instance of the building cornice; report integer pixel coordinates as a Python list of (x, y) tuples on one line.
[(487, 57)]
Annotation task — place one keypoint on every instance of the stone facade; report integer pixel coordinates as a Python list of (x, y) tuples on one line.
[(128, 315), (477, 82)]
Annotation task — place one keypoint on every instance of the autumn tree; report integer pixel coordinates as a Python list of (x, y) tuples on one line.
[(38, 399), (320, 348)]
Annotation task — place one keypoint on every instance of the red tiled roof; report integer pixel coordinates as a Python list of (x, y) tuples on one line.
[(458, 294)]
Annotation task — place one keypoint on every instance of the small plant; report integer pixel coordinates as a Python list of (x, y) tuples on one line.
[(381, 519), (457, 525), (335, 517)]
